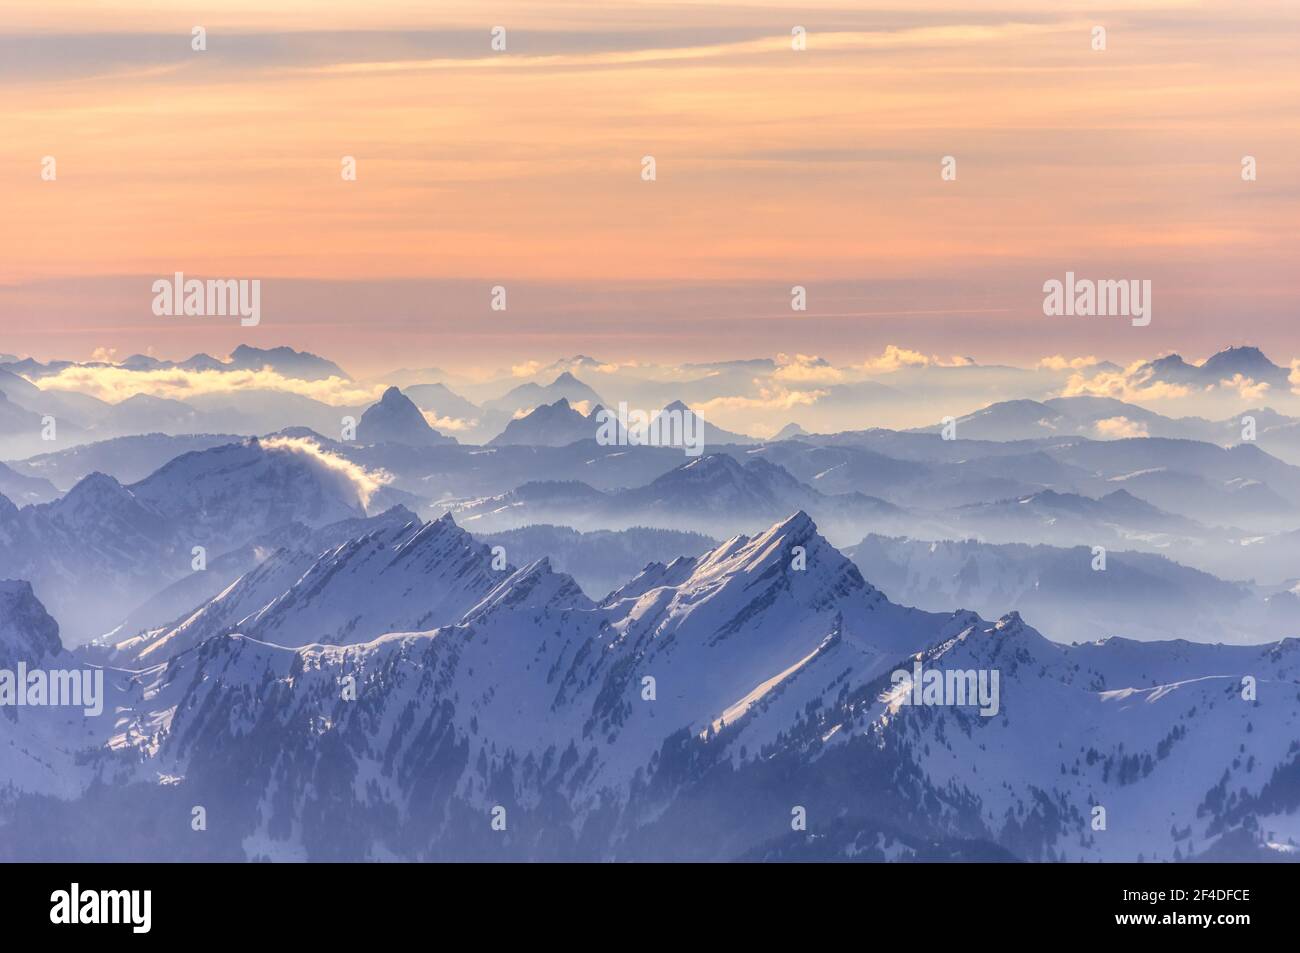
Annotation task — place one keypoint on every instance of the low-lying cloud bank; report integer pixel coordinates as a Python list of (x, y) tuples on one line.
[(806, 388), (115, 384), (1131, 384)]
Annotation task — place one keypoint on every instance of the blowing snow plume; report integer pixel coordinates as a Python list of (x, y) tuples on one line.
[(366, 482)]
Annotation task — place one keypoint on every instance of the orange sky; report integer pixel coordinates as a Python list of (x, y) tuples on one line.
[(820, 166)]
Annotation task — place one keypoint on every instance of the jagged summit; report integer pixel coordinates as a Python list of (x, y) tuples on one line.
[(531, 395), (1247, 361), (390, 573), (533, 589), (761, 662), (557, 424)]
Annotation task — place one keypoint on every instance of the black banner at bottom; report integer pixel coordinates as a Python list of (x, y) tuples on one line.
[(342, 903)]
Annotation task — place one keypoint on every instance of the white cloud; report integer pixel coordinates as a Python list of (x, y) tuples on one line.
[(1247, 388), (452, 424), (769, 398), (367, 482), (894, 357), (1058, 362), (803, 368), (1129, 384), (1119, 428), (115, 384)]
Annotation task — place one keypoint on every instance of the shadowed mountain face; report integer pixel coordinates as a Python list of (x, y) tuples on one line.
[(22, 490), (527, 397), (132, 541), (754, 676), (1249, 362), (1140, 595), (28, 633), (396, 419), (714, 493), (442, 401), (286, 361), (550, 425), (601, 560), (126, 459), (710, 436)]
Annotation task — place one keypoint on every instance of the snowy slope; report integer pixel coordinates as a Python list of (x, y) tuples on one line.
[(345, 582), (135, 541), (770, 659), (536, 669)]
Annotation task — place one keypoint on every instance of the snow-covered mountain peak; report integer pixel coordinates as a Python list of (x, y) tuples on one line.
[(1010, 624), (418, 534), (536, 586), (752, 556), (786, 583), (343, 584), (797, 529)]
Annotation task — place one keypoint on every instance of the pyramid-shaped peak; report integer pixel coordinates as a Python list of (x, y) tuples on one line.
[(396, 419), (773, 543), (97, 487), (797, 525)]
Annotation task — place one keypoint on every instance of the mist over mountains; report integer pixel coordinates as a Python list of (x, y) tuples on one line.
[(355, 618), (764, 678)]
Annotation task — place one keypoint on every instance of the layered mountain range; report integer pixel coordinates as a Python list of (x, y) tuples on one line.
[(689, 714), (451, 618)]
